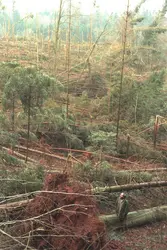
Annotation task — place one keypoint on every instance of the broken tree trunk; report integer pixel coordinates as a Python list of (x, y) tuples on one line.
[(13, 211), (119, 188), (136, 218), (70, 159), (14, 153), (142, 170)]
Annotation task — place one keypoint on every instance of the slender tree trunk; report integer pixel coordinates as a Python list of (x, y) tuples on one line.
[(68, 59), (13, 113), (8, 38), (136, 108), (57, 33), (126, 187), (90, 33), (122, 72), (128, 144), (156, 127), (29, 122), (109, 104), (79, 38), (89, 71), (37, 45), (13, 24)]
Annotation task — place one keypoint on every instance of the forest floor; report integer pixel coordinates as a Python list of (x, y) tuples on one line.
[(150, 237)]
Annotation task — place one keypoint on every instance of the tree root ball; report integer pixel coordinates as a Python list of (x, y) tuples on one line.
[(64, 216)]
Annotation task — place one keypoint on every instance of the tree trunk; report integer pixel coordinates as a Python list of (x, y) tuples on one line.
[(57, 31), (14, 153), (68, 59), (28, 122), (12, 211), (121, 188), (136, 218), (21, 148), (122, 72)]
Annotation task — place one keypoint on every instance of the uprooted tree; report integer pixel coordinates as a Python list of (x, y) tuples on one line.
[(63, 216)]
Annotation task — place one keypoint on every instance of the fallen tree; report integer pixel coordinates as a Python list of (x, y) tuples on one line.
[(142, 170), (95, 191), (136, 218), (62, 216), (14, 153), (24, 149), (119, 188)]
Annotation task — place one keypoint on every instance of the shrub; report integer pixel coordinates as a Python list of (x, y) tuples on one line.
[(138, 147), (4, 122), (125, 177), (10, 160), (23, 133), (8, 138), (103, 140), (101, 174)]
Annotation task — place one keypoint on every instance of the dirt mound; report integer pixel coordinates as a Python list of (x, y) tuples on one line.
[(64, 216)]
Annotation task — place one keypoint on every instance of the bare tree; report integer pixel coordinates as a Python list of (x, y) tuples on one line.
[(122, 70), (68, 58), (57, 31), (29, 120)]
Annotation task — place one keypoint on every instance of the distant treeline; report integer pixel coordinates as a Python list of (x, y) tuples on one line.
[(83, 28)]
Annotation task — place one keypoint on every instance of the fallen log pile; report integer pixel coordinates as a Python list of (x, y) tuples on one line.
[(10, 208), (63, 216), (136, 218)]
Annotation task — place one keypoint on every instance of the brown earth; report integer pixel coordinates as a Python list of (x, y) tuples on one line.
[(150, 237)]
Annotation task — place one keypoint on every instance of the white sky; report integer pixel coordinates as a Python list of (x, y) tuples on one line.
[(87, 5)]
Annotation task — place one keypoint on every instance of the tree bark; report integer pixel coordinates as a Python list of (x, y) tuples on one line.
[(126, 187), (14, 153), (136, 218), (122, 72), (46, 154)]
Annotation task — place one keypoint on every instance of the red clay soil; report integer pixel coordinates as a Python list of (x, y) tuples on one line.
[(67, 219)]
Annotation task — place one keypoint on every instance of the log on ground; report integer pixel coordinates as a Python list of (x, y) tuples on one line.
[(136, 218), (120, 188)]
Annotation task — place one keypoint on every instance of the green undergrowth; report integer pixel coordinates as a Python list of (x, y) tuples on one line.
[(103, 174), (9, 160), (27, 179)]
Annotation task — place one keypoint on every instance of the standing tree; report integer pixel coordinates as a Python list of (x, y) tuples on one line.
[(31, 87), (10, 97), (33, 93), (57, 31), (8, 75), (122, 70), (68, 58)]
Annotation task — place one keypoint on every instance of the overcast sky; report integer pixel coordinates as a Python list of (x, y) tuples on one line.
[(87, 5)]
